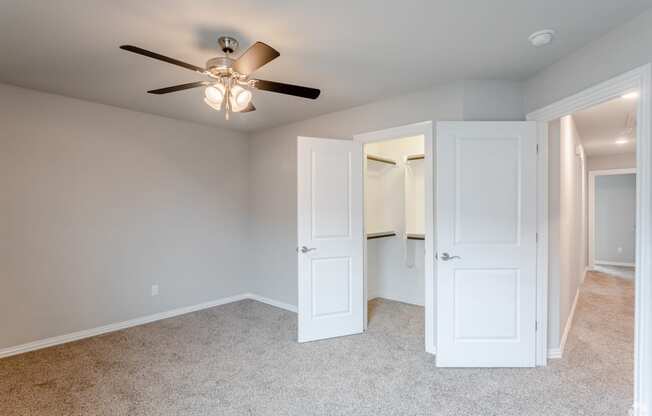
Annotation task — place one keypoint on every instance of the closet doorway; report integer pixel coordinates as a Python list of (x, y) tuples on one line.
[(398, 222)]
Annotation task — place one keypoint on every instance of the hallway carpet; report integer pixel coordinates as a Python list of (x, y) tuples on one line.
[(242, 359)]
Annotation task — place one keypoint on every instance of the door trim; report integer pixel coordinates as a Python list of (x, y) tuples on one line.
[(591, 218), (641, 79), (426, 130)]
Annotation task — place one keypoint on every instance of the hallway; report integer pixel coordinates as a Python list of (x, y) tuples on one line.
[(600, 346)]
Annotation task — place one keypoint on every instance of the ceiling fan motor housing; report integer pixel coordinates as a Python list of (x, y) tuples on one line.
[(220, 66)]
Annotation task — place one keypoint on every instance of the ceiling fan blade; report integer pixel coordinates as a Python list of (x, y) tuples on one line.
[(154, 55), (253, 58), (289, 89), (249, 108), (181, 87)]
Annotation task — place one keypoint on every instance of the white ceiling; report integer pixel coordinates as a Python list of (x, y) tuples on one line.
[(599, 127), (355, 51)]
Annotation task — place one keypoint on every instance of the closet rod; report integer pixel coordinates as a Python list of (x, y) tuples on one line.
[(381, 159), (416, 157), (416, 237), (373, 236)]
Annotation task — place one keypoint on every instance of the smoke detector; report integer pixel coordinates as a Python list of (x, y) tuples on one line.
[(542, 37)]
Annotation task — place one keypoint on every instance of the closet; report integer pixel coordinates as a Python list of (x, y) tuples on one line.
[(395, 219)]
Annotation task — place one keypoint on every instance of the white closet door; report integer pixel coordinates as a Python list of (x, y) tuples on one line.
[(330, 228), (486, 239)]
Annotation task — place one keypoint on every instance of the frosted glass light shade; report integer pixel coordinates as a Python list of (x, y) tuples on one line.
[(215, 94), (214, 106), (240, 98)]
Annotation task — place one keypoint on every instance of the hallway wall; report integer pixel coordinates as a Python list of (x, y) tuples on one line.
[(567, 239)]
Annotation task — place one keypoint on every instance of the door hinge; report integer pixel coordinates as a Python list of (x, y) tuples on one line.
[(537, 148), (536, 326), (536, 237)]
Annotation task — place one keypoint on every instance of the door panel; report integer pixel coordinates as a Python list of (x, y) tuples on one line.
[(494, 194), (331, 176), (486, 304), (331, 287), (486, 219), (330, 228)]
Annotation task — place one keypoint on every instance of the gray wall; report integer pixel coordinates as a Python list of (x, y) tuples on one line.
[(99, 203), (615, 218), (273, 188), (567, 227), (568, 247), (493, 101), (572, 238)]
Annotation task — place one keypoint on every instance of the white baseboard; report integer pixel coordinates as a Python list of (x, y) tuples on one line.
[(554, 353), (559, 352), (75, 336), (278, 304), (615, 272), (613, 263), (395, 299)]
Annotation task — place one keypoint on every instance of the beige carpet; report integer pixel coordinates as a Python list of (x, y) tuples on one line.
[(242, 359)]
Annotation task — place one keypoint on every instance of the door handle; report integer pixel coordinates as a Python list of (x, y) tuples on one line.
[(305, 249), (447, 257)]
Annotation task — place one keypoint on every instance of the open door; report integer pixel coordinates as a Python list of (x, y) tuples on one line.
[(330, 237), (486, 239)]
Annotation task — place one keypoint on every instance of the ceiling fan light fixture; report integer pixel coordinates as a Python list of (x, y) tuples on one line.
[(214, 106), (215, 94), (239, 98)]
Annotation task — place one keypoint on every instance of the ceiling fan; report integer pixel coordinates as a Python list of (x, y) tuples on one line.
[(230, 77)]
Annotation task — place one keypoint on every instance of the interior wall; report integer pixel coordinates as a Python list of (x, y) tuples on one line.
[(493, 101), (395, 265), (567, 238), (615, 219), (99, 203)]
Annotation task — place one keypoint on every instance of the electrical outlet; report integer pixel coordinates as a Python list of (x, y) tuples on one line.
[(620, 249), (154, 290)]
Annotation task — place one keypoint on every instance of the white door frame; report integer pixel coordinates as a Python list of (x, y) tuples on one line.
[(638, 79), (591, 220), (426, 130)]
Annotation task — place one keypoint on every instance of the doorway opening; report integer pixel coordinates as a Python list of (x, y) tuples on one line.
[(394, 186), (592, 263), (399, 225)]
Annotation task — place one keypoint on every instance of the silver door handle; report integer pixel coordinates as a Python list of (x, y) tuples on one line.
[(446, 257), (305, 249)]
